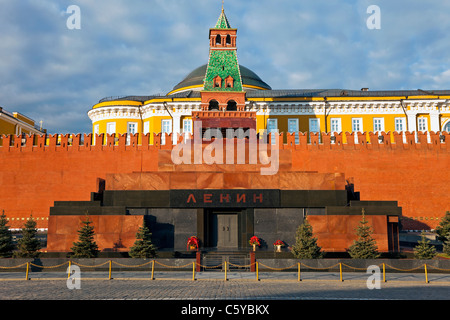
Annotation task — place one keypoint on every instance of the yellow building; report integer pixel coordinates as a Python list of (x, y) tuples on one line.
[(17, 124), (304, 110)]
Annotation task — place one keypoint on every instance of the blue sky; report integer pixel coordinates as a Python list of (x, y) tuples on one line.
[(141, 47)]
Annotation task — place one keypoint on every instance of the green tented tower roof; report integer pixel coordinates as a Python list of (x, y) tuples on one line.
[(222, 23)]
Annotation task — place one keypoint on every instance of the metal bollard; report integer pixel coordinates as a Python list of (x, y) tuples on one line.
[(257, 271), (28, 268), (109, 277), (153, 270), (226, 271)]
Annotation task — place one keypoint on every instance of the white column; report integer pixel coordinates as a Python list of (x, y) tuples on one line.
[(176, 128), (434, 121), (412, 125)]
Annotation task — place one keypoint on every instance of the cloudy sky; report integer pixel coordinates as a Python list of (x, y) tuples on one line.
[(141, 47)]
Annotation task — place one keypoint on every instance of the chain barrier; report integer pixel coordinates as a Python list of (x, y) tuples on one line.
[(48, 267), (277, 269), (225, 265)]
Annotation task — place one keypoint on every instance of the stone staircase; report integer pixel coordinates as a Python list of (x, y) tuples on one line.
[(215, 261)]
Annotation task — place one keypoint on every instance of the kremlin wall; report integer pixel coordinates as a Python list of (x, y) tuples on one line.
[(47, 168)]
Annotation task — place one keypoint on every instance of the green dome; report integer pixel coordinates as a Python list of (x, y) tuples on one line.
[(196, 78)]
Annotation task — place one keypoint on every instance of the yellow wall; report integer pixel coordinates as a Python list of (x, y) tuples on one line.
[(282, 120), (7, 127)]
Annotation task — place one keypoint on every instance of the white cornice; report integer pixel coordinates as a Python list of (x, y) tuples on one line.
[(181, 108)]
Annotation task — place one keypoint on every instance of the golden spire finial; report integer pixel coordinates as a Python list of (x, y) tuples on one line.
[(222, 5)]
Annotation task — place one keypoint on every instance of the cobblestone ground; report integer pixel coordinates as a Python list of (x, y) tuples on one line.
[(171, 295), (241, 286)]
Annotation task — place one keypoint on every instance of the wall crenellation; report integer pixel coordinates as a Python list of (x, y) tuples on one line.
[(301, 140)]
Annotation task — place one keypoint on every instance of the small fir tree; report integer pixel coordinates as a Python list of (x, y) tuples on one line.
[(365, 247), (86, 247), (443, 229), (143, 246), (424, 249), (6, 243), (446, 247), (305, 246), (29, 245)]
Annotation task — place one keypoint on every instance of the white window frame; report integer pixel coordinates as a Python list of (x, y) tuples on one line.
[(335, 125), (375, 125), (130, 125), (133, 125), (273, 129), (295, 130), (187, 126), (422, 124), (110, 127), (399, 124), (146, 127), (311, 121), (169, 129), (359, 123)]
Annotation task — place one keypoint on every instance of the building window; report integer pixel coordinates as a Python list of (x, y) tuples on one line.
[(314, 126), (187, 125), (131, 129), (146, 127), (335, 124), (447, 127), (378, 124), (111, 127), (272, 127), (357, 125), (399, 124), (293, 128), (166, 127), (422, 124)]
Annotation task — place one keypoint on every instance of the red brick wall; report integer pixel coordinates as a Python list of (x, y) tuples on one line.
[(35, 175)]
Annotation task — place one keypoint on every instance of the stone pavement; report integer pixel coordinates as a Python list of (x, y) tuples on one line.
[(212, 285), (173, 294)]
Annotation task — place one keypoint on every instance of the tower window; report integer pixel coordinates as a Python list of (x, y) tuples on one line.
[(229, 82), (228, 40), (231, 105), (213, 105), (218, 39), (217, 82)]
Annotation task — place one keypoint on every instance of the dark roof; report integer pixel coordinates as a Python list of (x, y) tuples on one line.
[(197, 76), (297, 93)]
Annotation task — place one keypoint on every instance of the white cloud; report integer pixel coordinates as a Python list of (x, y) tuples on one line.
[(144, 47)]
